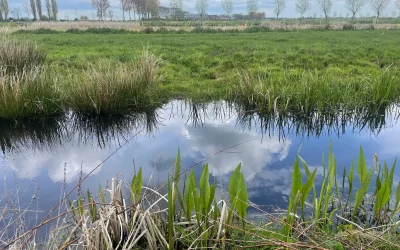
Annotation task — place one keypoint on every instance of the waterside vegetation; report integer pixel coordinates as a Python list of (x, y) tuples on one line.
[(325, 211)]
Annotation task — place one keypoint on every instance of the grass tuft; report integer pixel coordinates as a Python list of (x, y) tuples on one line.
[(114, 88), (18, 56), (30, 93)]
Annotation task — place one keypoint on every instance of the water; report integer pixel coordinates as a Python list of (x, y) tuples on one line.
[(40, 159)]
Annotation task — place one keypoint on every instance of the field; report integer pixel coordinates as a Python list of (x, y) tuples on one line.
[(305, 67)]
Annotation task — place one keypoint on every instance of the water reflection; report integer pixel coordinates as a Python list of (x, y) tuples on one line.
[(56, 150)]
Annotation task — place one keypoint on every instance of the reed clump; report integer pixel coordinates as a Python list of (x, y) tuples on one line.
[(20, 56), (309, 91), (29, 93), (114, 87)]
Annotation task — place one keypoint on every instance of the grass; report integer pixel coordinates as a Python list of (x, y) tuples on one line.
[(32, 93), (106, 88), (19, 56), (349, 212)]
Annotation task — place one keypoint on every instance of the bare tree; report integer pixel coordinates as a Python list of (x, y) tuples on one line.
[(202, 6), (110, 14), (101, 6), (227, 5), (280, 5), (4, 8), (153, 8), (48, 8), (39, 9), (354, 6), (176, 5), (379, 6), (326, 7), (16, 12), (27, 9), (54, 9), (123, 8), (252, 7), (302, 6), (398, 3), (33, 8)]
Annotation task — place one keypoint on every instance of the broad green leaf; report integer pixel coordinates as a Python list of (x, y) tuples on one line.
[(363, 190), (188, 196), (362, 166), (233, 184), (204, 188), (211, 198), (397, 197), (305, 190), (382, 198), (177, 171), (136, 186), (242, 202), (391, 175), (296, 178)]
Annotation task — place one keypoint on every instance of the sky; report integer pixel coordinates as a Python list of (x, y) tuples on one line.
[(69, 9)]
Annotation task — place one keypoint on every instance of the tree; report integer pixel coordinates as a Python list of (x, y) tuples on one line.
[(16, 13), (153, 8), (48, 8), (252, 7), (123, 8), (39, 9), (398, 3), (101, 6), (27, 9), (227, 5), (110, 14), (280, 5), (176, 5), (33, 8), (379, 6), (326, 7), (4, 8), (302, 6), (354, 6), (201, 6), (54, 9)]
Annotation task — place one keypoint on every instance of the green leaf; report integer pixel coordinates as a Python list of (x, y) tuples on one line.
[(363, 190), (136, 186), (233, 184), (391, 175), (212, 195), (296, 178), (382, 198), (305, 190), (190, 188), (397, 197), (362, 166), (204, 189), (177, 168), (243, 197)]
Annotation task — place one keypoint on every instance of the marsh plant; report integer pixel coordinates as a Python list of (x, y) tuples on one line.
[(20, 56), (311, 91), (114, 87), (30, 93)]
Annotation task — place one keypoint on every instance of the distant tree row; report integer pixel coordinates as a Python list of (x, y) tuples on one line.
[(150, 8), (35, 8)]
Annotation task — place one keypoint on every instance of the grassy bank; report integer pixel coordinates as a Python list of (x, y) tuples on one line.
[(287, 72), (355, 211)]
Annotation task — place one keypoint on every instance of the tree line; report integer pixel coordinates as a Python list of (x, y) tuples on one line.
[(31, 7), (151, 9)]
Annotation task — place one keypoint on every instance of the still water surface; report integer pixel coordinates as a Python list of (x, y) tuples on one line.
[(41, 158)]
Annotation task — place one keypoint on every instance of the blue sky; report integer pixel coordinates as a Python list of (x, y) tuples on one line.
[(69, 8)]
